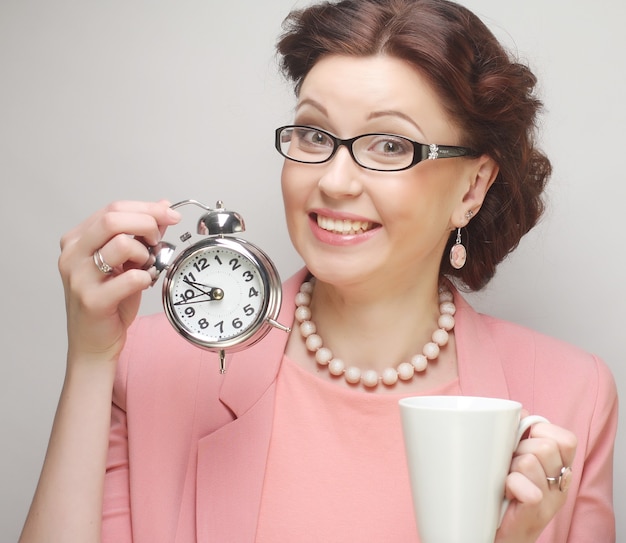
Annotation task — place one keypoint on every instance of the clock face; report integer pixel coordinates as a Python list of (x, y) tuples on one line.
[(216, 294)]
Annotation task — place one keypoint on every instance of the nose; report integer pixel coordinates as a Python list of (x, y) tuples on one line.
[(342, 176)]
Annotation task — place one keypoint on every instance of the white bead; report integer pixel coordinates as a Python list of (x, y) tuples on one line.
[(446, 296), (390, 376), (440, 337), (447, 307), (353, 375), (336, 366), (323, 356), (431, 350), (313, 342), (307, 287), (446, 321), (419, 362), (406, 371), (307, 328), (370, 378), (303, 298), (303, 313)]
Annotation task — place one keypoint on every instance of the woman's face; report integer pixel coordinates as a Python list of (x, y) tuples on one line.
[(350, 224)]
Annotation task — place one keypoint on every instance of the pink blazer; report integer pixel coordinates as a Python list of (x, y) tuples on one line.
[(188, 446)]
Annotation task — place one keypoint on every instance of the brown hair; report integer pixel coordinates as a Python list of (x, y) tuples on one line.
[(488, 94)]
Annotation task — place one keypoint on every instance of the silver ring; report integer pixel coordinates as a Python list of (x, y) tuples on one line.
[(563, 480), (100, 263)]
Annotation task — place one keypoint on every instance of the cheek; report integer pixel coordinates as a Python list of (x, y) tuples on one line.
[(424, 198), (293, 190)]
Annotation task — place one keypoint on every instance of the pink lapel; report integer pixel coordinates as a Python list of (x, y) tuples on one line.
[(165, 380), (481, 371), (231, 461)]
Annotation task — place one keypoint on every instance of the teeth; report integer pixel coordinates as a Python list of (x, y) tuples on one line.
[(343, 226)]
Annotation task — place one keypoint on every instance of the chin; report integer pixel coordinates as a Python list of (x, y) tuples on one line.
[(339, 271)]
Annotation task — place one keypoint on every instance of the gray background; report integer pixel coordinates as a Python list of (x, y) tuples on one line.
[(130, 99)]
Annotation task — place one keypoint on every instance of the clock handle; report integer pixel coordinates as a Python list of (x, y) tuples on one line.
[(216, 222)]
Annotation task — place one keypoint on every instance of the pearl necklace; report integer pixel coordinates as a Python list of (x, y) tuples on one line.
[(371, 378)]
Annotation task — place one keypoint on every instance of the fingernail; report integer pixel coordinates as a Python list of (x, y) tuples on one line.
[(173, 214)]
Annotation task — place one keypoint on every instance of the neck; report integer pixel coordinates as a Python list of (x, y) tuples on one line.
[(376, 328)]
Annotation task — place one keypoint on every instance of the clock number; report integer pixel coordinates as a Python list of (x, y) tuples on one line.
[(248, 310), (220, 325), (202, 264), (189, 277), (190, 311), (187, 295), (248, 276), (252, 292), (234, 263), (237, 323), (217, 258), (203, 323)]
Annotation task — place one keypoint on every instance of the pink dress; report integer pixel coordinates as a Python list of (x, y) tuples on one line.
[(336, 470)]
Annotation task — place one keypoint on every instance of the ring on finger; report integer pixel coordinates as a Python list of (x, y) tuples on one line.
[(101, 263), (563, 479)]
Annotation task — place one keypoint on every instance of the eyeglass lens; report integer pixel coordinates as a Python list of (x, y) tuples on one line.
[(376, 151)]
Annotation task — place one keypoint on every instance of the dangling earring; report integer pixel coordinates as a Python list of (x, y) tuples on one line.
[(458, 252)]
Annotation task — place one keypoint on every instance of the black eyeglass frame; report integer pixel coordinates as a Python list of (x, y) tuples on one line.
[(421, 151)]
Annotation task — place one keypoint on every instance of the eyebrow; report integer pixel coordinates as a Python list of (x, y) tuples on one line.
[(394, 113), (373, 115), (313, 103)]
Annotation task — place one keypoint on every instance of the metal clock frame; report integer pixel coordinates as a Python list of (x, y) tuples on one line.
[(267, 313)]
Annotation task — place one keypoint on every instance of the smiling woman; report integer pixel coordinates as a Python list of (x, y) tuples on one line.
[(481, 92), (413, 130), (382, 95)]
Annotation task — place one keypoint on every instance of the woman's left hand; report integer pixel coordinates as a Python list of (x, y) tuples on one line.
[(534, 499)]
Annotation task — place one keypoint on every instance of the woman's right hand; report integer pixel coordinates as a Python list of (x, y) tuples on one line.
[(67, 505), (100, 307)]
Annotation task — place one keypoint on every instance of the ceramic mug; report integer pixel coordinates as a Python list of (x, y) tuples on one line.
[(459, 451)]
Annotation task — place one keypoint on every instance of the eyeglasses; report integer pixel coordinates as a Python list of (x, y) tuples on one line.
[(379, 152)]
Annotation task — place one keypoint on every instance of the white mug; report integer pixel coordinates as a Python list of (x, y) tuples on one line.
[(459, 451)]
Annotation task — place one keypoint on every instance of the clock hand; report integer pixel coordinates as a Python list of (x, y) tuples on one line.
[(191, 301), (214, 293)]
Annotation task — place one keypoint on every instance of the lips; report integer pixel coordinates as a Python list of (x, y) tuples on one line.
[(343, 226)]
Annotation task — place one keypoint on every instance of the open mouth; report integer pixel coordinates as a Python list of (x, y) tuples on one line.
[(344, 227)]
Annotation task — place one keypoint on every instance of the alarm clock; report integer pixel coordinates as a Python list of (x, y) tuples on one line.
[(221, 293)]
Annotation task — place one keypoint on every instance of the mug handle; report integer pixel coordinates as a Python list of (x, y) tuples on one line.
[(524, 425)]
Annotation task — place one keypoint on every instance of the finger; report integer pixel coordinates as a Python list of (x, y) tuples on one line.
[(520, 488), (124, 252), (530, 508), (545, 450), (106, 299), (112, 223), (532, 469), (113, 219), (566, 440)]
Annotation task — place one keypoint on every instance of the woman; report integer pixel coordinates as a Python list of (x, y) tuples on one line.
[(410, 164)]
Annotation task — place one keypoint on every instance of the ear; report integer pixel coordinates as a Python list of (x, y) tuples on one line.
[(482, 174)]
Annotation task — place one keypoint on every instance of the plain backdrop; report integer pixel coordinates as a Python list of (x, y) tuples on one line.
[(136, 99)]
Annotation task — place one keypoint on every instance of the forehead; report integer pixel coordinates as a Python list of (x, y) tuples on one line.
[(352, 91)]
